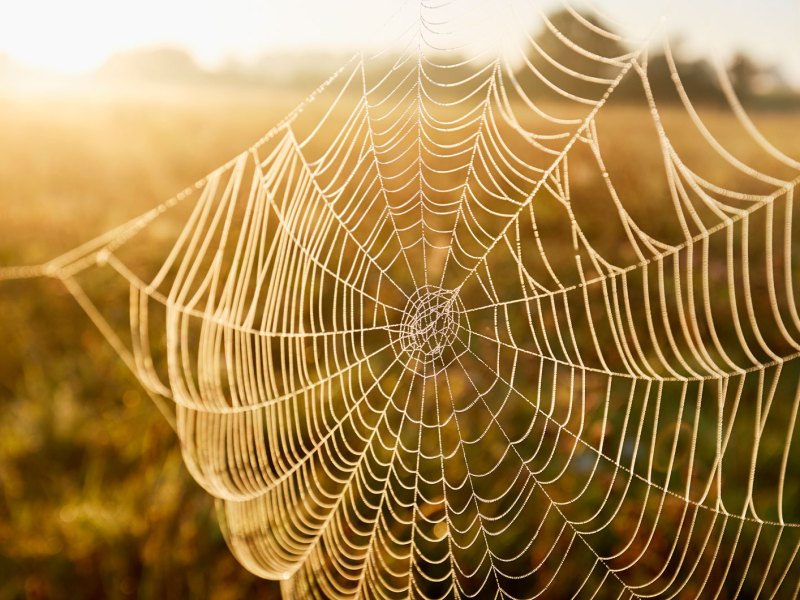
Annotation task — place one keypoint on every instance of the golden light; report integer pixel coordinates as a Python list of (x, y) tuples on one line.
[(62, 37), (78, 36)]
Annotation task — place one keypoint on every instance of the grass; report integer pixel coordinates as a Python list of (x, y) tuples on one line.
[(94, 499)]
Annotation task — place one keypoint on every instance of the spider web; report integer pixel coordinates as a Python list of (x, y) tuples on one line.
[(419, 340)]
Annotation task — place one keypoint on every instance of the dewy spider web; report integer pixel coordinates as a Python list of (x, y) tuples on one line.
[(397, 382)]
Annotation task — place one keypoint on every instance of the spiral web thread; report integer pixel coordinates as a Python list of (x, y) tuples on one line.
[(379, 357)]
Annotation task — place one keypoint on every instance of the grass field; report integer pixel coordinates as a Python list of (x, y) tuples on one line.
[(93, 494), (94, 499)]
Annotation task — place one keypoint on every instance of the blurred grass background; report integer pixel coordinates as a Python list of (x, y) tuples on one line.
[(94, 499)]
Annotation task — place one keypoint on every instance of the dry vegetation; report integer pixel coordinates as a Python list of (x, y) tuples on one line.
[(94, 499), (93, 495)]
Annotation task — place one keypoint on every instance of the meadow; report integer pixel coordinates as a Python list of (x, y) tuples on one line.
[(93, 493), (94, 499)]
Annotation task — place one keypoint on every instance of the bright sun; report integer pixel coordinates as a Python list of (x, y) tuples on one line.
[(71, 61), (68, 37)]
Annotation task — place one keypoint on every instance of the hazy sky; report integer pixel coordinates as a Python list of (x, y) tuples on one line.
[(78, 35)]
